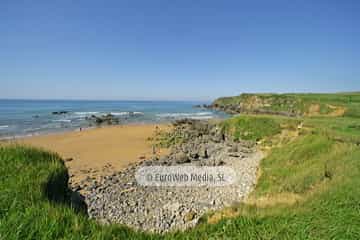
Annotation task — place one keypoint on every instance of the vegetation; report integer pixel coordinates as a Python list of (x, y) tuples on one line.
[(293, 104), (308, 186), (35, 201), (255, 128), (166, 138), (308, 189)]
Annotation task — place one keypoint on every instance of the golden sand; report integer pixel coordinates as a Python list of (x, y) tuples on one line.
[(99, 151)]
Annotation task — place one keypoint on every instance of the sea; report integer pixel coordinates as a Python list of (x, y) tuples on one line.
[(20, 118)]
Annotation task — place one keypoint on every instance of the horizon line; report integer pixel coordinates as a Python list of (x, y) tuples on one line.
[(178, 100), (88, 99)]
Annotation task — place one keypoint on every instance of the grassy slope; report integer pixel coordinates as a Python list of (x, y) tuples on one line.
[(320, 169), (295, 103), (26, 176)]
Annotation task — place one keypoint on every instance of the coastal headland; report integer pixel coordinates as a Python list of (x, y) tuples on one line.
[(296, 157)]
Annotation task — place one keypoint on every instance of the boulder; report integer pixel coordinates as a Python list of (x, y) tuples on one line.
[(60, 112), (189, 216), (233, 148), (108, 119), (203, 153), (181, 157)]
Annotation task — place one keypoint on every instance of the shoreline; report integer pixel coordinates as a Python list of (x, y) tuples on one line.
[(98, 151), (68, 130)]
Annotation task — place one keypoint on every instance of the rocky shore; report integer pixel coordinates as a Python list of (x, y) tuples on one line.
[(237, 109), (118, 198)]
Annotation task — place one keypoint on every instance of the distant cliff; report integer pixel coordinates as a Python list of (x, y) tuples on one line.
[(293, 105)]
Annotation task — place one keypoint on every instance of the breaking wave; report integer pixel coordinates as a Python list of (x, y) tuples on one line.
[(126, 113), (63, 120), (198, 115), (86, 113)]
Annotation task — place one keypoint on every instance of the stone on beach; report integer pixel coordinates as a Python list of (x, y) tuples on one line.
[(120, 199)]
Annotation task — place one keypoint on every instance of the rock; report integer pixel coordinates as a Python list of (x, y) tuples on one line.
[(163, 161), (204, 106), (234, 155), (108, 119), (203, 153), (76, 187), (118, 198), (156, 158), (68, 159), (233, 148), (189, 216), (194, 155), (181, 157), (60, 112), (218, 138), (173, 207)]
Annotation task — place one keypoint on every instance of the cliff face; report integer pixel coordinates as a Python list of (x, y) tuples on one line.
[(292, 105)]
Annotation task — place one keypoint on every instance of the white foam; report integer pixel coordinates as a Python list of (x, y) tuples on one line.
[(138, 113), (126, 113), (32, 129), (3, 126), (203, 113), (62, 120), (86, 113), (173, 115), (199, 115), (119, 113)]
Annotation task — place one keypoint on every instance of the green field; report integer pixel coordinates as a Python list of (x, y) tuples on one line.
[(308, 186)]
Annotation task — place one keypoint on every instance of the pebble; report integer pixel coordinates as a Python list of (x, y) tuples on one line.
[(163, 209)]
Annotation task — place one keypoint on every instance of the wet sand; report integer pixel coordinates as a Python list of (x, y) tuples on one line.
[(100, 151)]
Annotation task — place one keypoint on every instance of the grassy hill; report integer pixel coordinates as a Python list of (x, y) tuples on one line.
[(308, 185), (310, 104)]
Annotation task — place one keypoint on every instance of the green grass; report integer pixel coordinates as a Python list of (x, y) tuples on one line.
[(34, 200), (299, 166), (321, 167), (298, 104), (166, 138), (251, 127)]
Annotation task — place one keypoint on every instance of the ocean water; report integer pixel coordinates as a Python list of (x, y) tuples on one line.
[(33, 117)]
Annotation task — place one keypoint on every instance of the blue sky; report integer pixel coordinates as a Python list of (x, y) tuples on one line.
[(185, 50)]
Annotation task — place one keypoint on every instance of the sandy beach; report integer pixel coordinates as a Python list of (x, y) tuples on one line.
[(99, 151)]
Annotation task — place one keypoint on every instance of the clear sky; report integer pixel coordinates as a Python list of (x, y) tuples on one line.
[(173, 49)]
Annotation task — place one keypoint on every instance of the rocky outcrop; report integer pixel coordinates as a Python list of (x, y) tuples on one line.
[(107, 119), (118, 198), (205, 144), (204, 106), (290, 105), (60, 112), (230, 108), (273, 104)]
